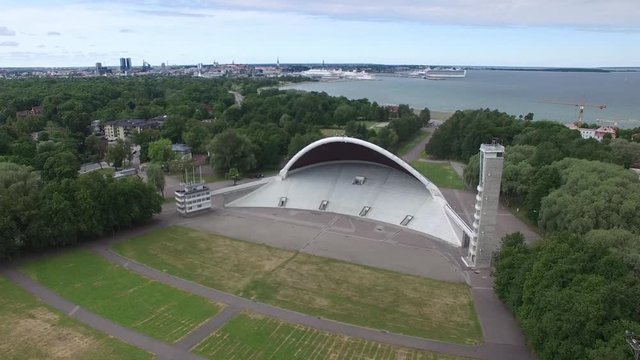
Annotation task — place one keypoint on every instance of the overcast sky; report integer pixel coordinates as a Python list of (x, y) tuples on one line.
[(585, 33)]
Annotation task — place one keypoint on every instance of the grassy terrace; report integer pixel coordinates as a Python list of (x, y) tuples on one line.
[(319, 286), (440, 174), (112, 292), (31, 330), (249, 336)]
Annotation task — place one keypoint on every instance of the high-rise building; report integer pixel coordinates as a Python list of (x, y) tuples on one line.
[(485, 243), (99, 68), (125, 65)]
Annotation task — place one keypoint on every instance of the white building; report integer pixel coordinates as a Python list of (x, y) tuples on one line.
[(193, 198), (597, 134)]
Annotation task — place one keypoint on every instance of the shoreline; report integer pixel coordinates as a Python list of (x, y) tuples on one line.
[(439, 115)]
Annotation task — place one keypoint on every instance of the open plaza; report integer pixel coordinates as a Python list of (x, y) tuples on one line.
[(292, 266)]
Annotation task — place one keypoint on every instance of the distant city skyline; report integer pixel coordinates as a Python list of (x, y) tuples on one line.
[(561, 33)]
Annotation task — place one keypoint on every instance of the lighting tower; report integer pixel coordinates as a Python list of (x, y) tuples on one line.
[(484, 242)]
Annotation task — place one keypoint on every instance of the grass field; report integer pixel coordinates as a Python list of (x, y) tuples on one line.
[(332, 132), (131, 300), (31, 330), (440, 174), (249, 336), (319, 286)]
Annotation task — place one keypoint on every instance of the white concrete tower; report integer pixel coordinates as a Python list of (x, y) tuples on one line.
[(485, 242)]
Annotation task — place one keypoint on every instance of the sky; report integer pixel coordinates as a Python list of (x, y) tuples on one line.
[(570, 33)]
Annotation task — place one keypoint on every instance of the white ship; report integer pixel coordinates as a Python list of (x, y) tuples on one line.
[(319, 73), (439, 73), (335, 74)]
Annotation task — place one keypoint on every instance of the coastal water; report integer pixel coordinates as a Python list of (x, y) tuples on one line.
[(514, 92)]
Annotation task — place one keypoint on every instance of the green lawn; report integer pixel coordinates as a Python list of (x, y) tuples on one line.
[(249, 336), (319, 286), (440, 174), (31, 330), (408, 145), (332, 132), (113, 292)]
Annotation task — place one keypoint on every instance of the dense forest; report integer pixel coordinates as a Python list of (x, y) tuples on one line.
[(243, 125), (575, 292)]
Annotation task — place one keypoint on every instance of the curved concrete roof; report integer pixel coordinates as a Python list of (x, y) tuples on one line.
[(343, 148)]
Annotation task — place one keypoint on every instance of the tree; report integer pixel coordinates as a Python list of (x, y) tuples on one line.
[(19, 190), (143, 139), (425, 116), (234, 175), (155, 177), (160, 151), (386, 138), (529, 116), (57, 222), (592, 195), (625, 153), (573, 295), (196, 135), (356, 129), (299, 141), (63, 164), (471, 172), (173, 128), (96, 148), (117, 152), (344, 113), (230, 149)]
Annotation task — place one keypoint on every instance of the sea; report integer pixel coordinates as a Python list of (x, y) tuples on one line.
[(514, 92)]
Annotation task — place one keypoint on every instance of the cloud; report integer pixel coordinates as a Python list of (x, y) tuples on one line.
[(172, 13), (584, 14), (9, 43), (5, 31), (41, 46), (126, 31), (53, 33)]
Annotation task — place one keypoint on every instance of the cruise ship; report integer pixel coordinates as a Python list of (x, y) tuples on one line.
[(439, 73), (325, 74)]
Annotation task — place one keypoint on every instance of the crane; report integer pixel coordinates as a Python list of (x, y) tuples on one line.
[(580, 107)]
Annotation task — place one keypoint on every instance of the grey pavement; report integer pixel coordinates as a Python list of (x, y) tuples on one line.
[(488, 350), (207, 328), (336, 236), (161, 349), (463, 202)]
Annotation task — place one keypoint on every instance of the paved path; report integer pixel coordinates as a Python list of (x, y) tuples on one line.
[(161, 349), (488, 351), (414, 154), (207, 328)]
